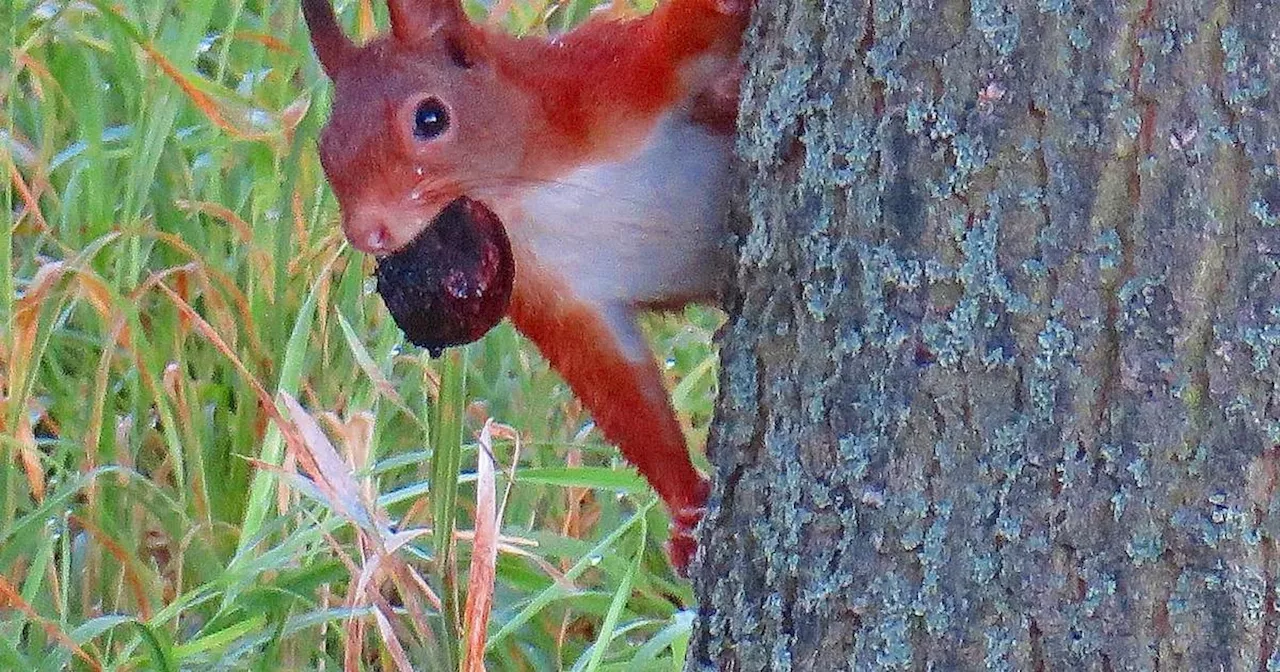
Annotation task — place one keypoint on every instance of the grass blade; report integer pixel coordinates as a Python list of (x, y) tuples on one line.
[(620, 597), (484, 557), (260, 492), (446, 462)]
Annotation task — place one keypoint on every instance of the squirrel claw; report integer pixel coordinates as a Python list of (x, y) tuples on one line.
[(682, 545)]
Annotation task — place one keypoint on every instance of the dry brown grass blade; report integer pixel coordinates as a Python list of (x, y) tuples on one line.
[(259, 257), (362, 591), (40, 72), (394, 647), (284, 493), (352, 628), (292, 438), (173, 380), (94, 289), (222, 212), (118, 336), (300, 232), (334, 481), (484, 557), (386, 564), (26, 320), (507, 433), (93, 431), (356, 438), (11, 598), (422, 586), (329, 471), (123, 557), (30, 456), (29, 198), (265, 39), (357, 597), (211, 277), (410, 585), (352, 641), (575, 501), (349, 499), (210, 107), (365, 590)]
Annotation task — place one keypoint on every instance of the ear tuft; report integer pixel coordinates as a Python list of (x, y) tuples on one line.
[(413, 21), (333, 49)]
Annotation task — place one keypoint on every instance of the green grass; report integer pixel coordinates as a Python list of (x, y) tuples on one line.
[(177, 278)]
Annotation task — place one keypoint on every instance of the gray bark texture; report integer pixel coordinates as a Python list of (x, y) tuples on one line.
[(1000, 381)]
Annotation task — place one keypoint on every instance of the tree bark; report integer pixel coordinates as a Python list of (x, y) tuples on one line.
[(999, 387)]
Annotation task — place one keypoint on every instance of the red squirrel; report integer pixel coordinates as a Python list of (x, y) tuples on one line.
[(567, 183)]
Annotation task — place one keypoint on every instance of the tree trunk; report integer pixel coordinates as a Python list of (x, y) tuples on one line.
[(999, 387)]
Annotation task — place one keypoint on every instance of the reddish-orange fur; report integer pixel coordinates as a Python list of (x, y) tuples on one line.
[(627, 399), (532, 112), (632, 73)]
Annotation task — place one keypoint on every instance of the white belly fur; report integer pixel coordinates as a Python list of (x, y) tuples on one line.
[(637, 230)]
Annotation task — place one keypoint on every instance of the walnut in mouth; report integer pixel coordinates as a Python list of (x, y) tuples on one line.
[(452, 283)]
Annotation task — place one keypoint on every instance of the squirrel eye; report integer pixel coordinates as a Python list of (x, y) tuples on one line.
[(430, 120)]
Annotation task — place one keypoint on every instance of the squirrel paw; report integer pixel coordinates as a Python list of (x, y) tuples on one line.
[(682, 545), (733, 7)]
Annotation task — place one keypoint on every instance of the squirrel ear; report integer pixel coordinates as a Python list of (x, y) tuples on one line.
[(416, 21), (333, 48)]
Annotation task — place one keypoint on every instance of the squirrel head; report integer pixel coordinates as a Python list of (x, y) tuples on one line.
[(422, 130), (421, 116)]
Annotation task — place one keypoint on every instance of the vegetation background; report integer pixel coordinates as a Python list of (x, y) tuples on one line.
[(178, 278)]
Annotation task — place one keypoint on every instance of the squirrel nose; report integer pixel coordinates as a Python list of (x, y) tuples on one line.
[(367, 232), (373, 241)]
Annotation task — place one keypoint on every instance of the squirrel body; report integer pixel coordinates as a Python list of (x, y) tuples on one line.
[(602, 230), (603, 152)]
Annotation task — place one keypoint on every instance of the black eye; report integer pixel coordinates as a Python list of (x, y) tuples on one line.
[(430, 120)]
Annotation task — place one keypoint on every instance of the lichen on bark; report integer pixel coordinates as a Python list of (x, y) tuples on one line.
[(999, 387)]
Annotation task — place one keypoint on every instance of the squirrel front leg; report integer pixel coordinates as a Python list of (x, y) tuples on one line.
[(601, 354)]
